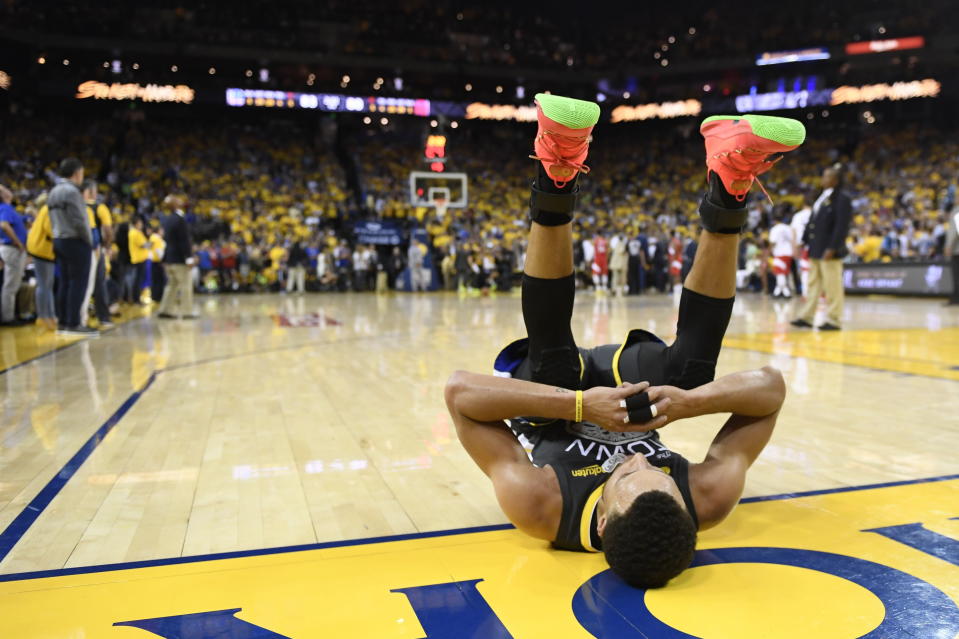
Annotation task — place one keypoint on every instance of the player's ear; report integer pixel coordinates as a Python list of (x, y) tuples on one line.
[(601, 516)]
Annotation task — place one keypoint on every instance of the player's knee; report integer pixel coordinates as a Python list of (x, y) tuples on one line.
[(777, 382), (454, 386)]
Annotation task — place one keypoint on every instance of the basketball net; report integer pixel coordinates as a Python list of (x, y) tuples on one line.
[(440, 204)]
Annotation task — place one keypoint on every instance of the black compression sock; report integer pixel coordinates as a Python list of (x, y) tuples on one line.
[(549, 205), (719, 196), (545, 183), (719, 211)]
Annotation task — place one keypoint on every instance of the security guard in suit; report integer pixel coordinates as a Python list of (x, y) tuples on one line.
[(825, 235)]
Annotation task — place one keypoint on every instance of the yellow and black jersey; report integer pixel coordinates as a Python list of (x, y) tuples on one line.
[(584, 455)]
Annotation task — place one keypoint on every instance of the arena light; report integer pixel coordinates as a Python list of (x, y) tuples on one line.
[(482, 111), (927, 88), (145, 93), (881, 46), (656, 111), (5, 80), (798, 55), (327, 102)]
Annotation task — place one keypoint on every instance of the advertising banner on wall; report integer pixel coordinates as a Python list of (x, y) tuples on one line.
[(903, 278)]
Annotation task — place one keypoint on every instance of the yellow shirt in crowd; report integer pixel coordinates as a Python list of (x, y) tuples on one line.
[(157, 247), (40, 237), (139, 247)]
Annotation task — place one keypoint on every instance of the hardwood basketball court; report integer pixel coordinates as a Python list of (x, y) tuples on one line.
[(242, 470)]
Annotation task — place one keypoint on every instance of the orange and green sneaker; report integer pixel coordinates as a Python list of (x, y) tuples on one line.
[(741, 147), (562, 140)]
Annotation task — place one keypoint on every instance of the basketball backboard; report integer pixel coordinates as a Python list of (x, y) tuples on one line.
[(427, 187)]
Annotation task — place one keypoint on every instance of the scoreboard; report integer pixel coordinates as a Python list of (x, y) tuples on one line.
[(327, 102)]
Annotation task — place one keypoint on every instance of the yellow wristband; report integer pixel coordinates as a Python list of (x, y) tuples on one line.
[(579, 406)]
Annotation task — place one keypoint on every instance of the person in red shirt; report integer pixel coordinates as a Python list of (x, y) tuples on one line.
[(675, 259), (600, 262)]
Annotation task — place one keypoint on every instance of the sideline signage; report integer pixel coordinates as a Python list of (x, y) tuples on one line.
[(145, 93), (899, 278)]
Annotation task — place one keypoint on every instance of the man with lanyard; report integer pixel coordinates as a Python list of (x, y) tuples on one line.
[(582, 485), (13, 252)]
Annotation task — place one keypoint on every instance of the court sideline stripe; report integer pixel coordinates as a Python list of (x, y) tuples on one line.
[(259, 552), (19, 526)]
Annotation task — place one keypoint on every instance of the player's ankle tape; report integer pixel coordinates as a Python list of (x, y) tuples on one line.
[(552, 209), (717, 219)]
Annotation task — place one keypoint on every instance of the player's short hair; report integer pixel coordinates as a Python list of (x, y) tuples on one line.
[(650, 543), (70, 166), (89, 184)]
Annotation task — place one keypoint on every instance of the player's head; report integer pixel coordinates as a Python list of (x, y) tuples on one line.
[(648, 535)]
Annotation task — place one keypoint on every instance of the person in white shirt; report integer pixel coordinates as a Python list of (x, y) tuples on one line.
[(800, 252), (360, 266), (783, 246)]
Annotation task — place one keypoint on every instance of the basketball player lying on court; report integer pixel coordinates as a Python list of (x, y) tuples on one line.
[(598, 477)]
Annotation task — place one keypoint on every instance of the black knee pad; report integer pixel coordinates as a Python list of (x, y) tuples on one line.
[(717, 219), (552, 209), (696, 372)]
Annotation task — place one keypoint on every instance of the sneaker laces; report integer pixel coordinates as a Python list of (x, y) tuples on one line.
[(748, 164), (559, 145)]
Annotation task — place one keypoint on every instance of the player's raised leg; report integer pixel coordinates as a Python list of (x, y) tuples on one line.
[(738, 148), (561, 146)]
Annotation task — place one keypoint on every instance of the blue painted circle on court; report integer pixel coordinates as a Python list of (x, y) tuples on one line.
[(609, 608)]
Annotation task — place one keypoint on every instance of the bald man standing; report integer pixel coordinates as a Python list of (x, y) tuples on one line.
[(825, 235)]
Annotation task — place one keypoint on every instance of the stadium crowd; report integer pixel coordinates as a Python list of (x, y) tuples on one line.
[(268, 208)]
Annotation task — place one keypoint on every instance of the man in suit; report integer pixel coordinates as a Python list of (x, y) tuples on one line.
[(177, 260), (825, 235), (952, 249)]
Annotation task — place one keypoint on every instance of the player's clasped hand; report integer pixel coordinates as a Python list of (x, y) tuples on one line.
[(610, 408)]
